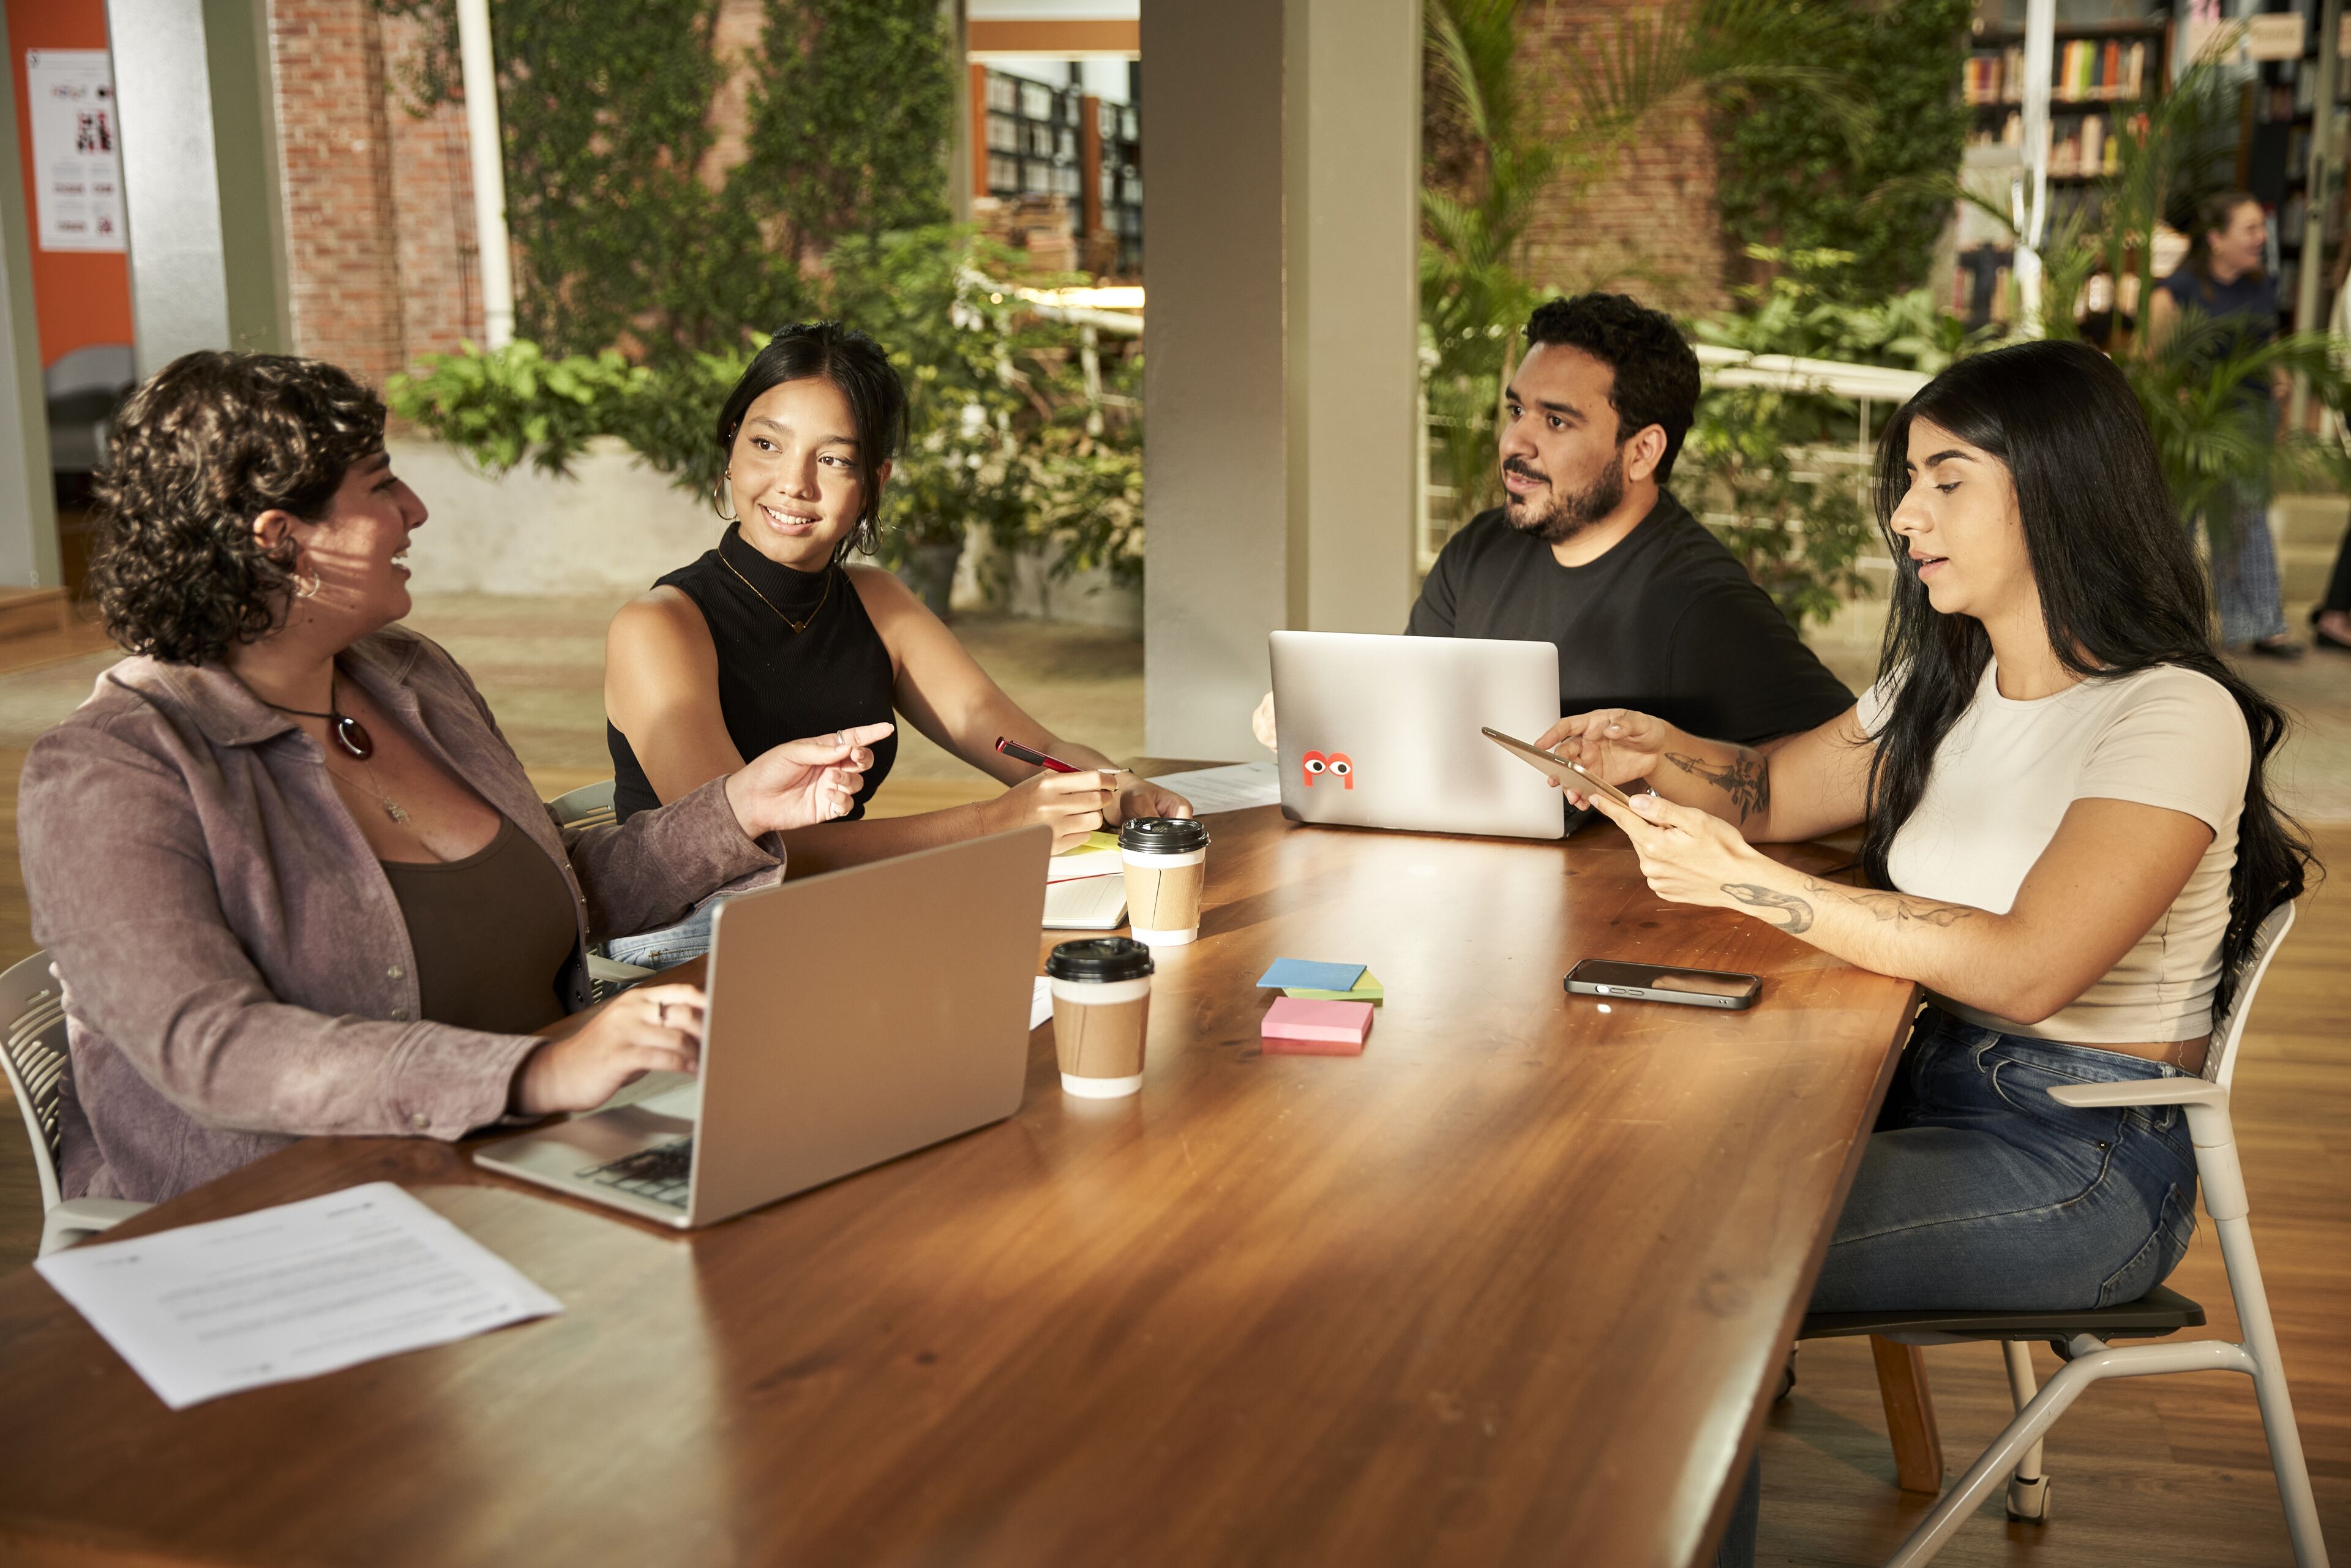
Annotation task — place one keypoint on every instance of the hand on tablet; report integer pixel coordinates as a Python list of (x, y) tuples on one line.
[(1689, 856), (1616, 743)]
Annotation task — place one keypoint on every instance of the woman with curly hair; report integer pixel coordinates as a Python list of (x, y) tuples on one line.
[(292, 877)]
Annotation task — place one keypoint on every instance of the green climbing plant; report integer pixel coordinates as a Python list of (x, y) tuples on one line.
[(632, 228), (870, 85), (1799, 171)]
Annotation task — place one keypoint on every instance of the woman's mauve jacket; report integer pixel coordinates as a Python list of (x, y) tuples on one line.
[(237, 973)]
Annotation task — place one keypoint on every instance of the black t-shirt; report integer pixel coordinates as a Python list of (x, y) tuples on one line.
[(1668, 622)]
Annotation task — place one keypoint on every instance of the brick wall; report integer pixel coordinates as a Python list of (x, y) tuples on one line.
[(379, 201), (335, 174), (437, 273), (1649, 225)]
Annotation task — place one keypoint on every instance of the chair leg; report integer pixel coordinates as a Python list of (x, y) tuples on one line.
[(2269, 1390), (1909, 1415), (2092, 1361), (2028, 1489)]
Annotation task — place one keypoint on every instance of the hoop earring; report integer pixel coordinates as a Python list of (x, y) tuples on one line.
[(715, 487), (305, 591)]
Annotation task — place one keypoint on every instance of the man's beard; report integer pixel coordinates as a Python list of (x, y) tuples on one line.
[(1569, 513)]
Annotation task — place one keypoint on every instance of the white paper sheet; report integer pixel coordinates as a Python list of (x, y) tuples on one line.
[(289, 1292), (1089, 904), (75, 165), (1233, 789), (1040, 1002)]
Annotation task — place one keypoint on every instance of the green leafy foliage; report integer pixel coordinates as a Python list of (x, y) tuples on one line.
[(628, 231), (1775, 473), (1796, 167), (515, 404), (872, 82)]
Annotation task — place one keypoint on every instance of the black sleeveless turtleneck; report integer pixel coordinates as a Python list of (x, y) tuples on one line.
[(775, 683)]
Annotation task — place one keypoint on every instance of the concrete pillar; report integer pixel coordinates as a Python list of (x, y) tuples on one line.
[(1280, 245), (28, 512), (204, 223)]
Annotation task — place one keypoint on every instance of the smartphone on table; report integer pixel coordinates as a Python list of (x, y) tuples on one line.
[(1571, 775), (1663, 983)]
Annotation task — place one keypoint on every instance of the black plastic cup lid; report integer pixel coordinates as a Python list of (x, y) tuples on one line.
[(1163, 835), (1100, 958)]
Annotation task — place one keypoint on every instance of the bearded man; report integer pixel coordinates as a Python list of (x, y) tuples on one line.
[(1592, 554)]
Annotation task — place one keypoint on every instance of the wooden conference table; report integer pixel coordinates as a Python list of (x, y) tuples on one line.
[(1513, 1286)]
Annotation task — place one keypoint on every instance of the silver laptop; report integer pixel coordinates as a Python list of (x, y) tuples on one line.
[(1382, 731), (855, 1017)]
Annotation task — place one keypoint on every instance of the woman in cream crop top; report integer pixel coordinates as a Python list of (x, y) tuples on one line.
[(2069, 843), (2003, 781)]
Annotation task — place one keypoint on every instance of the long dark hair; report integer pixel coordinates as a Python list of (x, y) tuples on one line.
[(855, 364), (2120, 591)]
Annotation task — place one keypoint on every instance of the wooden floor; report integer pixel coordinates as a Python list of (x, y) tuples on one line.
[(2162, 1470)]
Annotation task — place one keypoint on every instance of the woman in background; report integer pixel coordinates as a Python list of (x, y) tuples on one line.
[(2222, 282)]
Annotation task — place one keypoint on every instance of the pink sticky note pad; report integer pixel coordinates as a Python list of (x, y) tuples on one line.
[(1302, 1027)]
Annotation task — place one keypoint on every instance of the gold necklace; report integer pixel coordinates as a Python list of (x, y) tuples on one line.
[(392, 808), (797, 626)]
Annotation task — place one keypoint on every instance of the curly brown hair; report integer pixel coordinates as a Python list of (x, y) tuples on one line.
[(200, 449)]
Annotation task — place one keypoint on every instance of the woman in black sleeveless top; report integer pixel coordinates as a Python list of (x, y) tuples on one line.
[(773, 634)]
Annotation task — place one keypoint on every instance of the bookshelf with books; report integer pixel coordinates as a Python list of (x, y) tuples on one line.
[(2274, 162), (2102, 75)]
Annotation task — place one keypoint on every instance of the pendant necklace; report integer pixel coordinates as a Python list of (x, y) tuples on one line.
[(348, 733), (353, 740)]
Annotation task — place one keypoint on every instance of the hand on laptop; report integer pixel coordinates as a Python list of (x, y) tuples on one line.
[(1616, 743), (802, 782), (1262, 725), (654, 1029), (1072, 804)]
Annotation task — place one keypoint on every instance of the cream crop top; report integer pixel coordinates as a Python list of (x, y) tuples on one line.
[(2002, 782)]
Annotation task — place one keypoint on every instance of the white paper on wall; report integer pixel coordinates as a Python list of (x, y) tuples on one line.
[(76, 161)]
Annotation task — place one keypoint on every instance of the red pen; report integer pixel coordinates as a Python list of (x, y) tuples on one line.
[(1019, 753)]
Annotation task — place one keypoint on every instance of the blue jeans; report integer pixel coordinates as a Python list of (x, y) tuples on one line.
[(2244, 566), (1978, 1190), (689, 938)]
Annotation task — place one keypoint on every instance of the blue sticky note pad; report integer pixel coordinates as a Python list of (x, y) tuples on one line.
[(1304, 974)]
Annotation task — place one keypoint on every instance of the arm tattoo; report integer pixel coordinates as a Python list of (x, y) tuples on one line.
[(1882, 907), (1798, 912), (1897, 907), (1745, 779)]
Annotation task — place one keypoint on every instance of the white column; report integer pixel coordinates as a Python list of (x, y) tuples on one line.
[(2318, 189), (2032, 195), (28, 513), (171, 181), (480, 74), (1281, 251)]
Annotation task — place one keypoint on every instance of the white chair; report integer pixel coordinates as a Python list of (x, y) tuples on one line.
[(34, 1054), (591, 806), (2082, 1337)]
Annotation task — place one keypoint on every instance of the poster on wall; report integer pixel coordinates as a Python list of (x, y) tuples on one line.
[(78, 167)]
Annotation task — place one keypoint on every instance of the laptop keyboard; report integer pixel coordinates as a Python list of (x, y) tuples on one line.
[(659, 1173)]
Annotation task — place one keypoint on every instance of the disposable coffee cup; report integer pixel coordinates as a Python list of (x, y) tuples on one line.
[(1101, 1010), (1166, 863)]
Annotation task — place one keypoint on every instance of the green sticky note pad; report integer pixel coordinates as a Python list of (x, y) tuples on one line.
[(1367, 989)]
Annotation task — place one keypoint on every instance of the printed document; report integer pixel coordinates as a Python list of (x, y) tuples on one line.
[(1233, 789), (290, 1292)]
